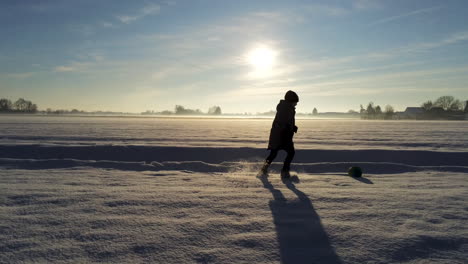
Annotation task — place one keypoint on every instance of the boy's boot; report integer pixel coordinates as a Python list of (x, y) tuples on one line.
[(264, 169), (285, 172)]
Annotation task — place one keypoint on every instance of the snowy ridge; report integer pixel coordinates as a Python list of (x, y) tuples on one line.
[(141, 158), (200, 166)]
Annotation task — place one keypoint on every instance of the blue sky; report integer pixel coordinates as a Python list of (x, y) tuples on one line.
[(134, 56)]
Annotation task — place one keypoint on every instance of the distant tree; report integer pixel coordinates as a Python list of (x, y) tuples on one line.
[(370, 110), (363, 112), (33, 108), (427, 105), (214, 110), (351, 111), (466, 107), (166, 112), (5, 105), (315, 112), (378, 110), (456, 105), (389, 112), (30, 107), (180, 110), (20, 105), (444, 101)]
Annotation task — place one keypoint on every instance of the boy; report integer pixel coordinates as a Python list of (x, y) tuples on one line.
[(281, 134)]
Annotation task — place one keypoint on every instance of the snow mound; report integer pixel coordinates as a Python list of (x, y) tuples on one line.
[(235, 160)]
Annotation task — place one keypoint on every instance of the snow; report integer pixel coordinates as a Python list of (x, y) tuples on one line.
[(158, 190)]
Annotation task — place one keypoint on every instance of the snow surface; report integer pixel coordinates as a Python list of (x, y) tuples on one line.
[(91, 189), (197, 132)]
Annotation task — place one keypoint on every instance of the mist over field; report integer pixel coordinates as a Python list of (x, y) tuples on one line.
[(334, 134), (184, 190)]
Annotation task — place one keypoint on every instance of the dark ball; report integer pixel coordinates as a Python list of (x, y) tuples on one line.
[(355, 172)]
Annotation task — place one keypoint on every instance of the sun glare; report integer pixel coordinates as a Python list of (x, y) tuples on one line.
[(261, 58)]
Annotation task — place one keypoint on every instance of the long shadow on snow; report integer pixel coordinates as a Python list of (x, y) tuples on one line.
[(301, 236)]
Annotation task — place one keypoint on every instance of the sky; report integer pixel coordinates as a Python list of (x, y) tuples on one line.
[(133, 56)]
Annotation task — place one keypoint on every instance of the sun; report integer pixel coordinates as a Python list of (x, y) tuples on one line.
[(262, 58)]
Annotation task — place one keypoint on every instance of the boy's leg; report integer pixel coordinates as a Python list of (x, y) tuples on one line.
[(287, 162), (269, 160), (272, 156)]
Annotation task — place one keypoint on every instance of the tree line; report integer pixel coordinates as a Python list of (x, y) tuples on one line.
[(444, 107), (181, 110), (447, 103), (376, 112), (19, 106)]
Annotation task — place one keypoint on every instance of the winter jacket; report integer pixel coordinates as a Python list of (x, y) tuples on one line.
[(283, 128)]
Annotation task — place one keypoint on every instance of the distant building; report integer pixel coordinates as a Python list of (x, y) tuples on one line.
[(437, 110), (437, 113), (413, 112), (434, 113)]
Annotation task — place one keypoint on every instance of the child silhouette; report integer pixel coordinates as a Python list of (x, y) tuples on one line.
[(282, 132)]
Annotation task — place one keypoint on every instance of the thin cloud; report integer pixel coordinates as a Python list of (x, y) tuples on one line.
[(92, 29), (422, 46), (277, 17), (336, 11), (366, 4), (74, 66), (65, 69), (292, 73), (326, 9), (162, 74), (454, 38), (151, 9), (21, 75), (412, 13), (83, 62), (106, 24), (367, 84), (170, 3)]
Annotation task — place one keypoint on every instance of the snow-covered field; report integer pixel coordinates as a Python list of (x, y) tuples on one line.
[(159, 190)]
